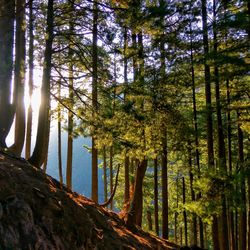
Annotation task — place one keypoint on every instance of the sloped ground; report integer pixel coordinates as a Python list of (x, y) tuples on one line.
[(37, 213)]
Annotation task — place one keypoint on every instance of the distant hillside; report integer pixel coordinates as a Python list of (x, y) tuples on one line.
[(81, 177), (37, 213)]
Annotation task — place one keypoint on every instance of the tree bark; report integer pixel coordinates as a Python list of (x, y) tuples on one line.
[(94, 101), (126, 187), (134, 216), (59, 136), (243, 214), (184, 212), (224, 241), (165, 231), (209, 117), (41, 146), (197, 153), (71, 103), (7, 13), (31, 82), (105, 186), (19, 79), (111, 153), (156, 207)]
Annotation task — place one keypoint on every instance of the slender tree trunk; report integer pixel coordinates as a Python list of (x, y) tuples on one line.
[(149, 219), (224, 241), (243, 214), (210, 149), (134, 216), (126, 187), (41, 146), (176, 213), (184, 212), (105, 186), (229, 142), (7, 13), (111, 173), (127, 161), (164, 172), (94, 101), (194, 217), (156, 207), (197, 153), (31, 71), (59, 136), (44, 166), (19, 80)]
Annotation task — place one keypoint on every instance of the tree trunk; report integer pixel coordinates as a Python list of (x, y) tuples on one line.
[(229, 142), (127, 161), (134, 216), (156, 207), (111, 173), (243, 214), (41, 146), (184, 212), (19, 80), (94, 101), (194, 217), (31, 82), (220, 135), (59, 136), (105, 186), (126, 187), (176, 213), (149, 219), (209, 122), (164, 188), (197, 153), (71, 103), (44, 166), (7, 13)]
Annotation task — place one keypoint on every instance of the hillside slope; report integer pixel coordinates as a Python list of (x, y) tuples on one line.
[(37, 213)]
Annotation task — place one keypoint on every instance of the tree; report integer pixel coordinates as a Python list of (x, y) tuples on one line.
[(7, 16), (31, 72), (19, 79), (94, 100), (41, 146)]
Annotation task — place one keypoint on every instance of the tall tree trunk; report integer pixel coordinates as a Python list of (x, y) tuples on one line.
[(7, 16), (126, 187), (156, 207), (224, 242), (111, 154), (31, 84), (164, 172), (194, 217), (149, 219), (44, 166), (94, 101), (19, 80), (176, 213), (197, 153), (59, 136), (41, 146), (127, 161), (243, 214), (105, 186), (184, 212), (71, 103), (229, 143), (134, 216), (210, 149)]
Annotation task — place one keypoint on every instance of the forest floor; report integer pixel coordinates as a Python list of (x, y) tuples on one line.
[(36, 212)]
